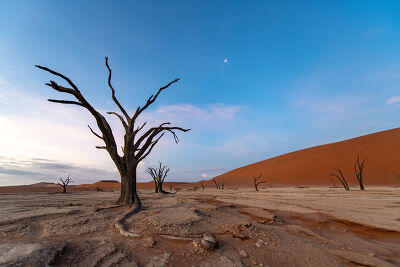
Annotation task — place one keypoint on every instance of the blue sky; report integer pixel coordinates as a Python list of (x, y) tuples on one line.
[(298, 74)]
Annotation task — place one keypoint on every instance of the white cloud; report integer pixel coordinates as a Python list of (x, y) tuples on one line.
[(393, 100), (186, 115)]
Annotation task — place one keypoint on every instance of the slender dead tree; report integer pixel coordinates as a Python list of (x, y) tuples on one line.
[(256, 182), (216, 183), (136, 146), (158, 176), (202, 185), (358, 169), (333, 183), (222, 186), (340, 178), (64, 183)]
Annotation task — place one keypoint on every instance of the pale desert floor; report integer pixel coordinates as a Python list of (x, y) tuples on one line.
[(273, 227)]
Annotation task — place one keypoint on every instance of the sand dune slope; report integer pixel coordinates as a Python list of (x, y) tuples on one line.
[(313, 166)]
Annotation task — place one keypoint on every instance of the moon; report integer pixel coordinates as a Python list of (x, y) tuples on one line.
[(225, 60)]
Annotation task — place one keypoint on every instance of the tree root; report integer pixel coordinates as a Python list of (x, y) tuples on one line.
[(105, 208), (120, 223), (173, 237)]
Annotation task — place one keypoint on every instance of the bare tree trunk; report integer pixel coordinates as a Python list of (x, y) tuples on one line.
[(216, 183), (64, 189), (341, 178), (128, 193), (358, 169), (256, 182), (156, 187)]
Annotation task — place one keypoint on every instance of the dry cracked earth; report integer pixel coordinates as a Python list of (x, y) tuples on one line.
[(274, 227)]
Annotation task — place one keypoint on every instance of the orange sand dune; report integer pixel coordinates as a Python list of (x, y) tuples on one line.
[(313, 166), (44, 184)]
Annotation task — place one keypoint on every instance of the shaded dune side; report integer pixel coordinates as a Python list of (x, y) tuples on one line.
[(313, 166)]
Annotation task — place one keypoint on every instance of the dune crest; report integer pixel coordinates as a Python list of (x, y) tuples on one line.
[(313, 166)]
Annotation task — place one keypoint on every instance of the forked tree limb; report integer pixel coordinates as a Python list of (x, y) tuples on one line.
[(341, 178), (113, 94), (358, 169), (151, 99), (120, 118), (65, 102)]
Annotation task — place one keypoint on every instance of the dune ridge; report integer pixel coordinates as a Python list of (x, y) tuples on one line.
[(313, 166)]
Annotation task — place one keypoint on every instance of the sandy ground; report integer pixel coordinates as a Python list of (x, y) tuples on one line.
[(273, 227)]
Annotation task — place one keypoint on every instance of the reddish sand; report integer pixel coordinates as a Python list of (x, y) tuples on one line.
[(313, 166)]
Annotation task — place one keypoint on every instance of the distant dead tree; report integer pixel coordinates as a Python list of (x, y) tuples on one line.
[(358, 169), (136, 146), (217, 184), (333, 183), (257, 182), (202, 185), (64, 183), (222, 185), (341, 178), (158, 176)]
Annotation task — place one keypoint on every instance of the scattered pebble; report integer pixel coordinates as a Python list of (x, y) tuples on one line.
[(259, 243), (242, 254)]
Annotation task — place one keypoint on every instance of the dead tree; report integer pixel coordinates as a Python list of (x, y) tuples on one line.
[(341, 178), (136, 146), (256, 182), (358, 169), (222, 186), (202, 185), (217, 185), (158, 176), (64, 183), (333, 183)]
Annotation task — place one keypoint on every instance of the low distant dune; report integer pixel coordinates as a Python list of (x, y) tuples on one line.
[(44, 184), (313, 166), (104, 184), (108, 185)]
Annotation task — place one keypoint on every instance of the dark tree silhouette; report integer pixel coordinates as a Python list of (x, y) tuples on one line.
[(202, 185), (256, 182), (358, 169), (64, 183), (340, 178), (136, 147), (158, 176), (333, 183), (217, 184)]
